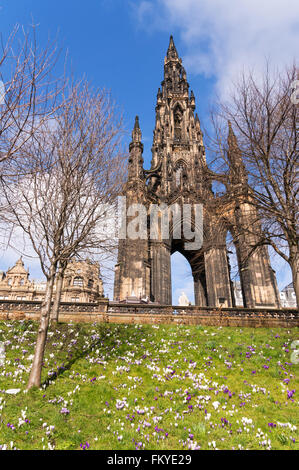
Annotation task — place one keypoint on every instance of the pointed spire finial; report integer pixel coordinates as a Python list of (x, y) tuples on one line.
[(172, 52), (135, 168), (237, 168), (232, 139), (136, 125), (136, 134)]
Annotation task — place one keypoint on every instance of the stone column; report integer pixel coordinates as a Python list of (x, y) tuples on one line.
[(199, 292), (258, 281), (217, 277), (132, 272), (160, 272)]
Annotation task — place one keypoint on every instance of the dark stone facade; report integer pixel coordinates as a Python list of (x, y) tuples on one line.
[(180, 175)]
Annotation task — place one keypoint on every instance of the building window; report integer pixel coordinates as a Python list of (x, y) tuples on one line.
[(78, 281), (178, 118), (22, 282), (178, 177), (9, 281), (90, 283)]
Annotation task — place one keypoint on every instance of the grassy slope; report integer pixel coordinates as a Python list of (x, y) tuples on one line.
[(152, 387)]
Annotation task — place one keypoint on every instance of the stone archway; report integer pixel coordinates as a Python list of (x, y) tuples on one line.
[(181, 279)]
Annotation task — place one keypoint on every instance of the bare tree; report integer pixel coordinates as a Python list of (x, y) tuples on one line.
[(265, 123), (58, 290), (61, 206), (28, 93)]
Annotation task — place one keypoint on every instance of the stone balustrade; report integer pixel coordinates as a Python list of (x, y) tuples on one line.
[(112, 312)]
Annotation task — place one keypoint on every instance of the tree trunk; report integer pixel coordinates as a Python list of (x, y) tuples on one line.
[(56, 304), (294, 263), (36, 370)]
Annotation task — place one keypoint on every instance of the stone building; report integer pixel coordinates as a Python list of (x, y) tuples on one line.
[(15, 283), (179, 175), (81, 283), (288, 296)]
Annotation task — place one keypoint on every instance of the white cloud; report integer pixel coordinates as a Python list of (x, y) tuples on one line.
[(147, 16), (223, 37)]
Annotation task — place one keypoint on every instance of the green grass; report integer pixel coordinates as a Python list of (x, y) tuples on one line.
[(150, 387)]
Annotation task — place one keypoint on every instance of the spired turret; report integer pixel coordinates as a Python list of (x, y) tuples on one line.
[(135, 164), (136, 133), (177, 144), (238, 175), (171, 51), (175, 78)]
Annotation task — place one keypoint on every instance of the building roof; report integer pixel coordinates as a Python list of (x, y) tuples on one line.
[(18, 268), (289, 286)]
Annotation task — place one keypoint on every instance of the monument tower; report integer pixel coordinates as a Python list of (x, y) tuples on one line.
[(179, 175)]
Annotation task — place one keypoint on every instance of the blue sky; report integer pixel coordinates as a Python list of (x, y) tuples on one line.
[(120, 45)]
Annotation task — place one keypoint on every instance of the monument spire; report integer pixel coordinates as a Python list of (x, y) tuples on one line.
[(135, 167), (237, 168), (172, 52), (136, 133)]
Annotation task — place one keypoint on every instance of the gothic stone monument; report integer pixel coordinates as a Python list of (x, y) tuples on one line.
[(180, 175)]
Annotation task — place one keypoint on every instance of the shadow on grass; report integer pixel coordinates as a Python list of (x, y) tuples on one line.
[(120, 333)]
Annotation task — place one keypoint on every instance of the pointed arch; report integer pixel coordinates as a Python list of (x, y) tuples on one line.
[(181, 277), (180, 174), (178, 117)]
